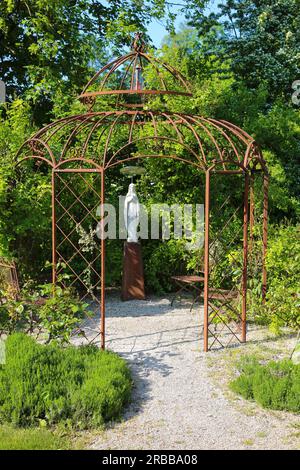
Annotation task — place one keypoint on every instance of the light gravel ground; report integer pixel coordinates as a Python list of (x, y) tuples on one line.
[(181, 398)]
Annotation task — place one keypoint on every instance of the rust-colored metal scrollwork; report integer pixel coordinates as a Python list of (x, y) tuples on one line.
[(89, 102), (138, 45)]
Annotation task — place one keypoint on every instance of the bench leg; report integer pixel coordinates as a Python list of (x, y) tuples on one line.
[(177, 294)]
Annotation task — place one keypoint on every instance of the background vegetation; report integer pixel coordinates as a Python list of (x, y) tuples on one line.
[(242, 59), (12, 438)]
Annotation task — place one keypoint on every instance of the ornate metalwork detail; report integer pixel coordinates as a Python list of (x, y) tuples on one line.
[(88, 101), (138, 44)]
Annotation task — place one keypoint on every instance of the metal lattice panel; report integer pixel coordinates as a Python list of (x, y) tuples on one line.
[(226, 263), (78, 249)]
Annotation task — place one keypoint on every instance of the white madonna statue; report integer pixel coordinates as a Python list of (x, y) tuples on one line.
[(131, 214)]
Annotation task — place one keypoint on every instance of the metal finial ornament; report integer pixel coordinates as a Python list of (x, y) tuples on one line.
[(138, 44)]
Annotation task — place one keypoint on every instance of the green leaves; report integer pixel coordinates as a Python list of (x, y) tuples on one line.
[(260, 40), (54, 313), (282, 307), (48, 47)]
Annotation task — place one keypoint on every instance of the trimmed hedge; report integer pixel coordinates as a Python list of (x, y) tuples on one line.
[(275, 385), (81, 386)]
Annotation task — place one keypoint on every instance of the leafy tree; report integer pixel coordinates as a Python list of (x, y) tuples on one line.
[(260, 38), (48, 46), (219, 94), (14, 128)]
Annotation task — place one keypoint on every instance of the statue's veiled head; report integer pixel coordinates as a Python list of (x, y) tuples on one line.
[(131, 189)]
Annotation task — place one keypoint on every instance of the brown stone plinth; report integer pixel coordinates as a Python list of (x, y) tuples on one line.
[(133, 272)]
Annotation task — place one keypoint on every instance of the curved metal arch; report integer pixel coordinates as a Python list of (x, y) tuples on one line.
[(132, 126), (87, 125), (135, 57), (236, 134), (188, 125), (256, 157), (59, 124), (215, 124), (215, 164), (196, 120), (36, 157), (243, 136), (79, 159), (40, 157), (143, 139), (78, 129), (174, 72), (103, 69), (156, 136), (137, 157), (241, 131), (232, 128)]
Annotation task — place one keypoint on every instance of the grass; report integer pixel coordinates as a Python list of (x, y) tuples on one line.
[(261, 434), (12, 438)]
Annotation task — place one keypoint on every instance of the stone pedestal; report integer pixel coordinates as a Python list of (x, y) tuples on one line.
[(133, 272)]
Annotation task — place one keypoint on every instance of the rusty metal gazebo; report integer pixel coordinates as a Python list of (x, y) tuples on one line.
[(134, 126)]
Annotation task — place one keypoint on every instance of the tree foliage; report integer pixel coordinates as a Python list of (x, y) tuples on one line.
[(51, 46), (258, 39)]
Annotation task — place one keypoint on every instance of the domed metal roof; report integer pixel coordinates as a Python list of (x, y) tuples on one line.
[(107, 138), (136, 74)]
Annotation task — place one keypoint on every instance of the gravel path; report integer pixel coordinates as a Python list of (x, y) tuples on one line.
[(181, 400)]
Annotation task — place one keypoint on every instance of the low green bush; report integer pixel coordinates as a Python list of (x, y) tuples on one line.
[(274, 385), (283, 268), (82, 386), (54, 312)]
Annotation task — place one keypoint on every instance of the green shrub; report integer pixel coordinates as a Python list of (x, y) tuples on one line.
[(282, 307), (81, 386), (283, 267), (275, 385), (163, 260), (53, 311)]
